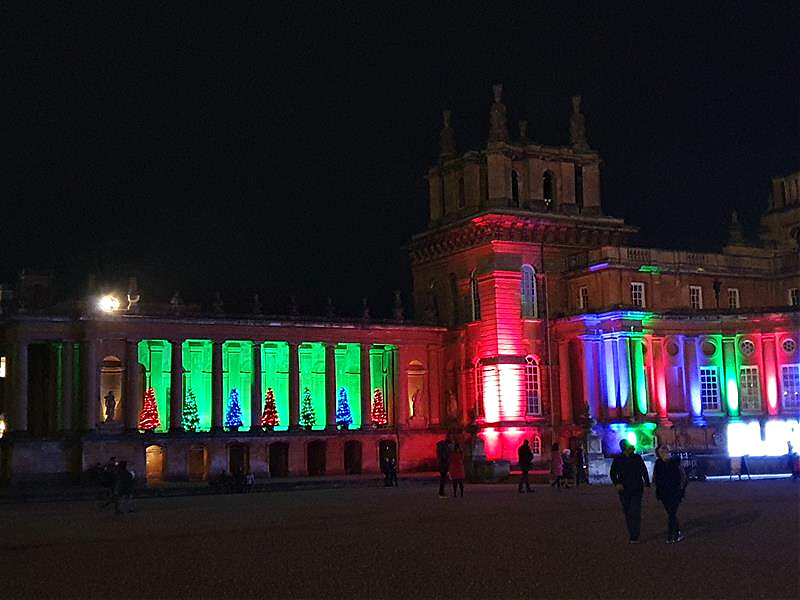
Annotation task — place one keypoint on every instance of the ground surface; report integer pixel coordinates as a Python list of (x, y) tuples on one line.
[(373, 542)]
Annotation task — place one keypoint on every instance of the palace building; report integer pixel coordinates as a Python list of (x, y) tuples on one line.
[(537, 317)]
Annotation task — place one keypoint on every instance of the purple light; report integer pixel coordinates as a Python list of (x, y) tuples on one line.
[(598, 266)]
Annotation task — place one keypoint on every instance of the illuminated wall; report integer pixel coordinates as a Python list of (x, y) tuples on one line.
[(156, 358), (745, 438), (237, 372), (275, 375), (312, 376), (348, 376), (196, 355), (382, 375)]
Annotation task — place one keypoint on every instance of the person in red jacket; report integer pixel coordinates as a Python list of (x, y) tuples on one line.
[(455, 469)]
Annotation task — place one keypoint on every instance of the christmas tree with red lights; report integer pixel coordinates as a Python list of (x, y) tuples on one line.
[(378, 416), (148, 418), (270, 418), (308, 417)]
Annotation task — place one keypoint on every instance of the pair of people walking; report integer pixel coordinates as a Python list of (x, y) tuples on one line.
[(119, 482), (629, 476), (450, 457), (560, 468)]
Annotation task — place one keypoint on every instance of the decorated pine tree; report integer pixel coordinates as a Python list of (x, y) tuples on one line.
[(343, 416), (191, 419), (308, 418), (378, 416), (270, 418), (233, 416), (148, 418)]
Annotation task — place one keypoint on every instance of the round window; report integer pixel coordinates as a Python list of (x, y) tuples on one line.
[(747, 347), (708, 348), (789, 346), (672, 348)]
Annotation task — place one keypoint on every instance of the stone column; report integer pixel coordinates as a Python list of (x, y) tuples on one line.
[(729, 386), (434, 377), (256, 394), (294, 386), (660, 378), (625, 398), (19, 415), (91, 394), (608, 364), (216, 386), (330, 386), (176, 387), (133, 393), (366, 387), (66, 386), (589, 363), (769, 374), (638, 378), (565, 381), (402, 387), (693, 378)]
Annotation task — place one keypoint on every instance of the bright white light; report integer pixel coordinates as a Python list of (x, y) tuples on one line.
[(745, 438), (108, 303), (2, 425)]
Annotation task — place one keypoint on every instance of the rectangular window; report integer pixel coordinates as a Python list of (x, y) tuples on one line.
[(709, 388), (749, 389), (790, 379), (733, 297), (583, 298), (637, 294), (2, 366), (794, 297), (695, 297), (533, 401)]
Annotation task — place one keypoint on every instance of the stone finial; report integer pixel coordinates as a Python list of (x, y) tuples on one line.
[(218, 305), (577, 126), (175, 302), (447, 138), (256, 305), (364, 309), (498, 128), (293, 310), (397, 310), (330, 309), (523, 132), (133, 295), (735, 232)]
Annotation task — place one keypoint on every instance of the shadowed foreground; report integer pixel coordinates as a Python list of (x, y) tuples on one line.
[(742, 542)]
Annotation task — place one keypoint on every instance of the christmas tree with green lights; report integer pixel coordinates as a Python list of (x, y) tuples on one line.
[(148, 418), (233, 416), (308, 418), (344, 417), (378, 416), (270, 418), (191, 418)]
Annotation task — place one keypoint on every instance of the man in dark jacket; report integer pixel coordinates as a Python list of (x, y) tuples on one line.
[(629, 476), (443, 458), (525, 455), (670, 480)]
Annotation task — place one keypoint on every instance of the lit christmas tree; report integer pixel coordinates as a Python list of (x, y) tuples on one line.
[(191, 419), (233, 416), (270, 418), (343, 416), (148, 418), (378, 409), (308, 418)]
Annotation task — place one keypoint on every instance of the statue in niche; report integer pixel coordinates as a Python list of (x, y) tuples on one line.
[(577, 125), (111, 405), (416, 404), (452, 404)]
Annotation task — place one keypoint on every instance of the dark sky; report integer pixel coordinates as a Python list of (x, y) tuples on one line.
[(246, 149)]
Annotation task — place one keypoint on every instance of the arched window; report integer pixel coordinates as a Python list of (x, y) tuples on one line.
[(528, 292), (548, 189), (533, 402), (514, 189), (536, 445), (478, 388), (462, 198), (475, 296)]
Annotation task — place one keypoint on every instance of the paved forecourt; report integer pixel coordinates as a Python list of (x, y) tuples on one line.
[(742, 542)]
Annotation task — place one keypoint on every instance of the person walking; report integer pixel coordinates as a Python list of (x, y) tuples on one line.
[(629, 476), (670, 480), (443, 459), (566, 466), (580, 465), (456, 469), (124, 495), (525, 456), (556, 467)]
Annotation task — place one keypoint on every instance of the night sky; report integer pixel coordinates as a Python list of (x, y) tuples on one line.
[(246, 148)]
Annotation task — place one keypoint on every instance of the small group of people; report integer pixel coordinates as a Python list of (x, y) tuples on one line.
[(118, 481), (630, 478), (389, 469), (233, 483), (450, 457)]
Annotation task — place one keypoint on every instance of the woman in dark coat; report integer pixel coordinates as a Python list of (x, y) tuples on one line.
[(456, 469), (670, 480)]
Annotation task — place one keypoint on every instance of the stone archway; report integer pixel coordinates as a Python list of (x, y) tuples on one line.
[(238, 458), (197, 463), (315, 454), (155, 463), (278, 453), (352, 457)]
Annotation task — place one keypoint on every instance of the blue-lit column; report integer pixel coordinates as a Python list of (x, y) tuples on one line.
[(590, 351), (609, 378), (693, 379), (625, 398)]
